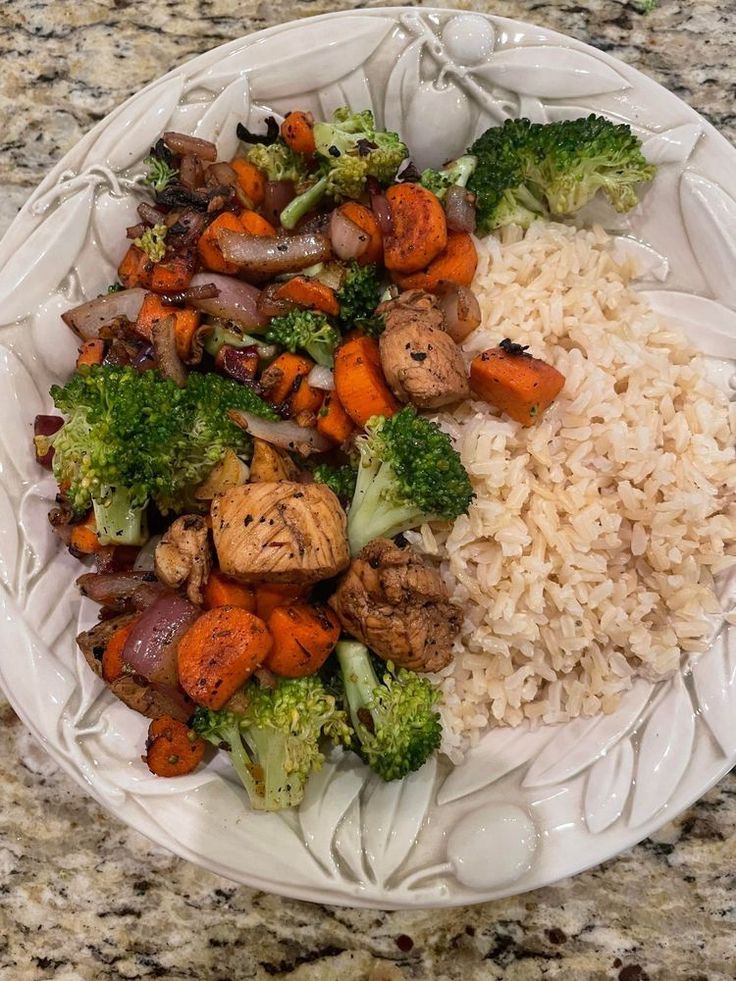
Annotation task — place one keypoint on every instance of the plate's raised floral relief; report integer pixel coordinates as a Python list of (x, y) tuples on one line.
[(528, 805)]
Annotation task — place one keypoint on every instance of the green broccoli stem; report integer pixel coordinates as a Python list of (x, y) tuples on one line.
[(461, 170), (359, 679), (222, 336), (275, 789), (370, 515), (241, 762), (302, 203), (119, 522)]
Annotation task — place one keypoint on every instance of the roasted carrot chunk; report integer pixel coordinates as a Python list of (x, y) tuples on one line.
[(297, 131), (309, 294), (515, 382), (113, 665), (209, 250), (305, 398), (333, 422), (136, 269), (304, 635), (365, 220), (186, 322), (84, 538), (419, 228), (172, 748), (173, 274), (254, 224), (282, 377), (359, 381), (455, 264), (223, 591), (251, 180), (91, 352), (269, 595)]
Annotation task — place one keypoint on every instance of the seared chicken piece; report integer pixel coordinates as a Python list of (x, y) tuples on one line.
[(280, 532), (397, 605), (183, 556), (270, 464), (421, 362)]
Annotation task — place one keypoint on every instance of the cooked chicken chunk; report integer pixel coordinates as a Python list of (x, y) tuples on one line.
[(421, 362), (398, 605), (270, 464), (280, 532), (183, 556)]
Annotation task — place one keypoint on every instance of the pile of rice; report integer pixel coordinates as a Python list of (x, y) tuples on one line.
[(589, 554)]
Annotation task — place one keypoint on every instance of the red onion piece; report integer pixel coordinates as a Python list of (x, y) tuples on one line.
[(182, 144), (163, 339), (221, 173), (461, 311), (149, 214), (239, 363), (286, 435), (135, 231), (206, 291), (87, 319), (349, 241), (270, 304), (121, 590), (381, 209), (145, 559), (150, 650), (277, 195), (262, 257), (321, 377), (46, 426), (191, 173), (460, 209), (236, 301), (145, 359)]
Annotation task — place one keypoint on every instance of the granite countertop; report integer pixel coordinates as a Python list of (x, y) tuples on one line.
[(82, 898)]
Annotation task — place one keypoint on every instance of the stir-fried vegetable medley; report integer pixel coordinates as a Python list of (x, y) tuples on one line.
[(248, 433)]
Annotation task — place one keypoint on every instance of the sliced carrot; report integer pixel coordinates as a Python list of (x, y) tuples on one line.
[(365, 220), (419, 228), (172, 748), (309, 294), (251, 179), (173, 274), (84, 538), (209, 250), (223, 591), (282, 377), (186, 322), (304, 636), (136, 269), (305, 398), (297, 132), (515, 382), (359, 381), (269, 595), (219, 652), (91, 352), (113, 665), (254, 224), (455, 264), (333, 422)]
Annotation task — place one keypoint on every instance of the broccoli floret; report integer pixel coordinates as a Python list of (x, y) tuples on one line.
[(130, 437), (160, 173), (278, 161), (358, 296), (530, 169), (349, 150), (340, 480), (153, 242), (274, 738), (457, 172), (305, 330), (409, 472), (396, 726)]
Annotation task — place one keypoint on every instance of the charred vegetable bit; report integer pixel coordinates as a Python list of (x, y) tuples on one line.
[(409, 472), (160, 173), (350, 150), (274, 739), (396, 725), (267, 138), (306, 331), (457, 172), (130, 437), (153, 242), (358, 296), (530, 169)]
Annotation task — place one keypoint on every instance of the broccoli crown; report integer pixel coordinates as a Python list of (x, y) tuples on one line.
[(340, 480), (138, 432), (278, 161), (153, 242), (160, 174), (275, 739), (526, 169), (358, 296), (305, 330), (354, 149), (409, 472), (396, 725), (456, 172)]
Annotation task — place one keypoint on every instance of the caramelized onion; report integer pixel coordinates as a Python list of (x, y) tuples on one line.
[(262, 257), (277, 195), (286, 435), (461, 310), (182, 144), (349, 241), (235, 300), (460, 209), (87, 319), (150, 650)]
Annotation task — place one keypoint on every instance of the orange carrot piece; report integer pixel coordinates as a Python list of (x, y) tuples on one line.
[(333, 422), (516, 383), (252, 181), (455, 264), (419, 228), (91, 352), (84, 538), (219, 652), (113, 665), (173, 274), (282, 377), (365, 220), (305, 398), (209, 250), (223, 591), (304, 636), (309, 294), (186, 322), (359, 381), (136, 269), (172, 748), (297, 131), (254, 224), (269, 595)]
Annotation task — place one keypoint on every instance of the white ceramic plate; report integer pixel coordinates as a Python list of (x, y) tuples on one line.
[(527, 807)]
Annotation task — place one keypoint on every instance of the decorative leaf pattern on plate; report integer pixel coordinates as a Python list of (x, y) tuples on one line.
[(348, 841), (709, 325), (8, 539), (219, 122), (714, 677), (551, 73), (608, 786), (21, 401), (40, 542), (673, 145), (710, 220), (649, 263), (328, 795)]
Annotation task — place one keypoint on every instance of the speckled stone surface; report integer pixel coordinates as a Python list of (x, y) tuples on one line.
[(82, 898)]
